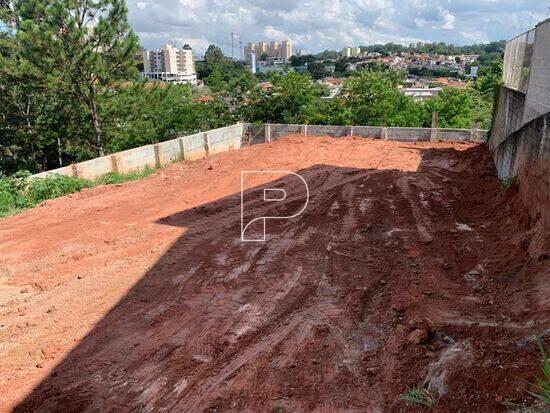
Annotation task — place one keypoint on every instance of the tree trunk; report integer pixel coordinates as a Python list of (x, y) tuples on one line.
[(59, 153), (95, 121)]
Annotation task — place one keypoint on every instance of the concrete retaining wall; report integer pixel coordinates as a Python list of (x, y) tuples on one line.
[(131, 160), (508, 117), (526, 155), (170, 151), (520, 139), (537, 101), (523, 101), (414, 134), (215, 141), (275, 131), (190, 147), (518, 109), (372, 132), (328, 130)]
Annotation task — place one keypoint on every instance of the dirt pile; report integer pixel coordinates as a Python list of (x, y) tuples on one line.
[(409, 267)]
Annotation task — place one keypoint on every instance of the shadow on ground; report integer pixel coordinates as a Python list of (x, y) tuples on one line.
[(314, 319)]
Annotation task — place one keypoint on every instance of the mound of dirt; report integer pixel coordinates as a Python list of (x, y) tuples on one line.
[(409, 266)]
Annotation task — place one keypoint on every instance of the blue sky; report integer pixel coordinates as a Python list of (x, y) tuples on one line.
[(331, 24)]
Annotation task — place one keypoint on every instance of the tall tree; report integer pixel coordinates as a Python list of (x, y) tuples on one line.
[(79, 46), (213, 55)]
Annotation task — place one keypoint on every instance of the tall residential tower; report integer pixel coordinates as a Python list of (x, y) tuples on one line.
[(281, 50), (170, 64)]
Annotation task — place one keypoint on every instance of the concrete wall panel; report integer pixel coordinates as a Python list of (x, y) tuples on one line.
[(328, 130), (94, 167), (409, 134), (537, 101), (367, 132), (509, 116), (193, 147), (454, 135), (136, 158), (280, 130), (169, 151), (225, 139), (66, 171)]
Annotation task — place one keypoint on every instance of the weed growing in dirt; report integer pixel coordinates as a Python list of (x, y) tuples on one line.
[(20, 191), (542, 394), (419, 396), (507, 183), (117, 178), (542, 385)]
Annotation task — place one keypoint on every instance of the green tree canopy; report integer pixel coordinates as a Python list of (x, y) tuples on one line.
[(78, 46), (373, 98), (293, 98)]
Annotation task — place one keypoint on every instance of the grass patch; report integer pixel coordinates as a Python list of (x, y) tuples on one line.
[(113, 178), (20, 191), (418, 396)]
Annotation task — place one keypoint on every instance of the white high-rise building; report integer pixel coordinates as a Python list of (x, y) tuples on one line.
[(273, 49), (170, 64), (286, 49)]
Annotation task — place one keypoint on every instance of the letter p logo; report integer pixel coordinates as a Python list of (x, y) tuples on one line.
[(285, 196)]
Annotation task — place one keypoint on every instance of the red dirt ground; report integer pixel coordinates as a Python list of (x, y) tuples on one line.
[(409, 266)]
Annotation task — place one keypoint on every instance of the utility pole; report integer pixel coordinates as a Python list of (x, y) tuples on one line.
[(232, 46)]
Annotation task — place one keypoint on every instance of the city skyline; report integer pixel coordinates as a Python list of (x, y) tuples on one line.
[(320, 25)]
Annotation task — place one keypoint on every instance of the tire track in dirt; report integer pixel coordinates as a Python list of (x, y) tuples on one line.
[(317, 318)]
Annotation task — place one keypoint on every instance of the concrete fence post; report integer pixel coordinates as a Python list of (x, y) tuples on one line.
[(350, 131), (74, 168), (473, 129), (303, 129), (114, 163), (182, 149), (384, 133), (435, 125), (158, 160), (267, 132), (206, 144)]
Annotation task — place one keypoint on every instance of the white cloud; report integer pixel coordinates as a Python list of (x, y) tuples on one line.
[(316, 25)]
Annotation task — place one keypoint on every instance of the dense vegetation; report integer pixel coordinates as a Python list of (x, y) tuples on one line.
[(487, 52), (19, 191), (84, 98)]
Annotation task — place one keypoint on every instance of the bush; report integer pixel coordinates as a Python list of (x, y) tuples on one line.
[(12, 193), (53, 186), (20, 191)]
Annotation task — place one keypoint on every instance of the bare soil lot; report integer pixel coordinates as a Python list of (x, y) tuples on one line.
[(409, 266)]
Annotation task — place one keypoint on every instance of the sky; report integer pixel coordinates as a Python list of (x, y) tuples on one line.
[(319, 25)]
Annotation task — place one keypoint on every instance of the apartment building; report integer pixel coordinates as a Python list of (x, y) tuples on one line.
[(274, 49), (351, 51), (170, 64), (286, 49)]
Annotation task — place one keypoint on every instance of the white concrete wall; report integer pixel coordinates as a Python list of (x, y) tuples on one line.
[(134, 159), (193, 147), (537, 101), (202, 144), (163, 153), (94, 167), (170, 151)]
